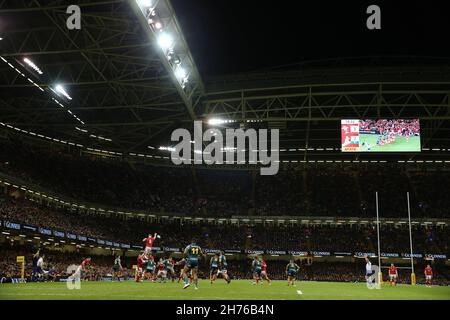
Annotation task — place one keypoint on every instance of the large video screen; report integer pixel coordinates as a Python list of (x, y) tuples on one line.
[(383, 135)]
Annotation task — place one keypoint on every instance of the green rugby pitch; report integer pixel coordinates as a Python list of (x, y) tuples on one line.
[(237, 290)]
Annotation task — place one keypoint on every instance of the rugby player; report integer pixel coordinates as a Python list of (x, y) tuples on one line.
[(257, 268), (169, 265), (141, 260), (150, 268), (428, 276), (117, 268), (162, 272), (264, 274), (192, 252), (393, 274), (149, 243), (369, 273), (223, 265), (291, 272), (214, 268)]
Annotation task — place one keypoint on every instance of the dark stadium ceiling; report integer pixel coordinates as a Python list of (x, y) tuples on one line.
[(123, 88), (235, 36)]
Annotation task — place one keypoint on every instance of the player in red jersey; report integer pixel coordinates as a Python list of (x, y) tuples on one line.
[(264, 274), (141, 261), (393, 274), (162, 272), (85, 263), (428, 275), (149, 243), (392, 136), (82, 267)]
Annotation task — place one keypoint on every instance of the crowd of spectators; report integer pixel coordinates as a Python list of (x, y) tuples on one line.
[(338, 238), (304, 191), (382, 126), (57, 263), (91, 179)]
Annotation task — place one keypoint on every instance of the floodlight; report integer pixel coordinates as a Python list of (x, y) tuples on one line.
[(32, 65), (59, 88), (180, 73), (165, 41), (144, 3), (214, 121), (171, 149)]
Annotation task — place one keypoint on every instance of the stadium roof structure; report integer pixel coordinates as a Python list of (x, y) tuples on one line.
[(127, 79)]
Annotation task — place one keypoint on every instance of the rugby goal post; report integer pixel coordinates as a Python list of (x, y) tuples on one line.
[(380, 273), (413, 275)]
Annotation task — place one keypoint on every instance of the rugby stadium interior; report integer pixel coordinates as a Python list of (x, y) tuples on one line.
[(86, 119)]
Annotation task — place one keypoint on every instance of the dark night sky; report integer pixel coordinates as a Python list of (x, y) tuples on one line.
[(231, 36)]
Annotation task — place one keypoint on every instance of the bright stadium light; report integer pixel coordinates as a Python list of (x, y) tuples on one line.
[(32, 65), (165, 41), (182, 76), (158, 25), (180, 73), (59, 88), (171, 149), (215, 122), (144, 3), (82, 130)]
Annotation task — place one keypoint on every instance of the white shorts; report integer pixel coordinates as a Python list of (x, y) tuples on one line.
[(221, 271), (392, 276), (162, 273), (264, 273), (148, 250), (428, 277)]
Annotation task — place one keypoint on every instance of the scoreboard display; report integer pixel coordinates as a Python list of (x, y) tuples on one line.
[(382, 135)]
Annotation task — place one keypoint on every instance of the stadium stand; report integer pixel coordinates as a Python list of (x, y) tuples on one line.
[(308, 191), (329, 191), (344, 238)]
